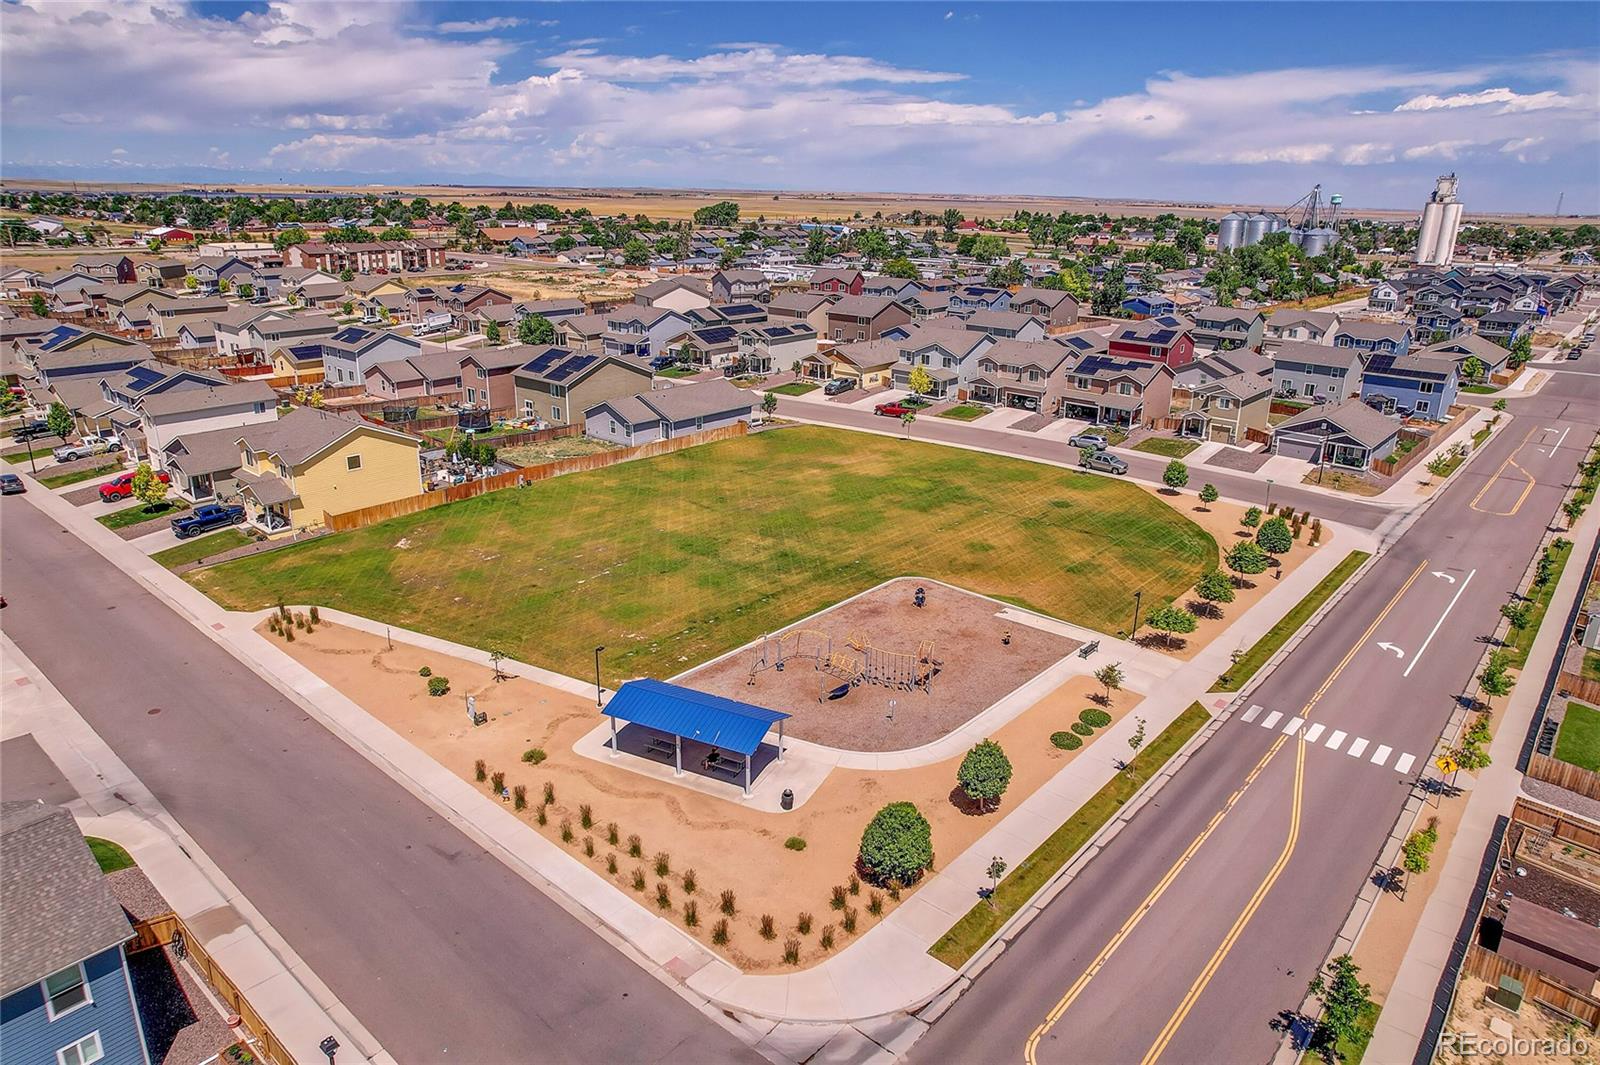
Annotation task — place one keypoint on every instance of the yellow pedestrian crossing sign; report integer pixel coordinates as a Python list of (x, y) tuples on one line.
[(1447, 764)]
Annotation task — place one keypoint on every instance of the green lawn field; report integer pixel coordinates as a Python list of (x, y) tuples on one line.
[(670, 561)]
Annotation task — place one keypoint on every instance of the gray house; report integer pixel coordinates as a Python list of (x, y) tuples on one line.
[(1374, 338), (1319, 372), (1351, 434), (353, 350), (667, 413), (1226, 328)]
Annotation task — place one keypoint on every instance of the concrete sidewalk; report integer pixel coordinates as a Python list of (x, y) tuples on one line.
[(115, 805), (1406, 1009)]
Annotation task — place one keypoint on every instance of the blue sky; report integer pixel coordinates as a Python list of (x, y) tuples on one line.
[(1202, 101)]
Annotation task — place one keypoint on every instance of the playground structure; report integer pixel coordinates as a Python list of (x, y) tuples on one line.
[(863, 663)]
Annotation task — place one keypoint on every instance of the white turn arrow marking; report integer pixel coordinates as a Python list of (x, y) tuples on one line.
[(1398, 653), (1444, 576)]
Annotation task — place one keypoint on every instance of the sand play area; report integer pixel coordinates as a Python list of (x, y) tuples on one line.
[(724, 843), (974, 659)]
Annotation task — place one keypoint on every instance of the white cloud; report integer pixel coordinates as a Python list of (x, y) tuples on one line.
[(1509, 102), (486, 25), (119, 151), (1449, 150)]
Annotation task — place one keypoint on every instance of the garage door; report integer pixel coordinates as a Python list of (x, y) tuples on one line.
[(1298, 448)]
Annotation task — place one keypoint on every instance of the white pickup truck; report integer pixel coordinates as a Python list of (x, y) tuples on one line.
[(89, 445)]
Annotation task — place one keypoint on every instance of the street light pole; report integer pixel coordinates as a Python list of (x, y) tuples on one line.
[(597, 651), (1137, 596)]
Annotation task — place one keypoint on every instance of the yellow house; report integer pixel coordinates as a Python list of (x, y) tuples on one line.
[(869, 363), (303, 362), (311, 463)]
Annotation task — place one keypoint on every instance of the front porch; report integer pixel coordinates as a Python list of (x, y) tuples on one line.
[(268, 502)]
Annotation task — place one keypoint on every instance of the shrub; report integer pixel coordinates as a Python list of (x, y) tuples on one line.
[(533, 755), (663, 863), (849, 920), (288, 635), (690, 882), (691, 913), (1094, 718), (497, 781), (549, 793), (893, 887), (1066, 740), (663, 895), (437, 686), (838, 900), (542, 816), (985, 773), (1081, 729), (825, 937), (725, 903), (719, 931), (791, 951), (586, 815), (638, 880), (795, 843), (611, 833), (1274, 536), (874, 903), (519, 797), (854, 884), (588, 846), (479, 770), (635, 847), (316, 618), (425, 671), (566, 831), (897, 844), (611, 864), (769, 927), (802, 924)]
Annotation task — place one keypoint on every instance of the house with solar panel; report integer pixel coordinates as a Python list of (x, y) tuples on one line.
[(1114, 390), (669, 413), (709, 347), (1166, 339), (642, 332), (348, 354), (1374, 338), (252, 329), (1226, 328), (1421, 386), (555, 385), (774, 347)]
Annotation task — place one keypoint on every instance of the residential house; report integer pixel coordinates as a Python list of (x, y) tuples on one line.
[(487, 375), (838, 282), (127, 307), (969, 299), (65, 288), (65, 997), (1374, 338), (1148, 305), (348, 354), (712, 346), (1219, 365), (1319, 372), (161, 273), (869, 363), (1349, 434), (1054, 307), (1422, 386), (1505, 327), (115, 268), (1019, 374), (740, 286), (1308, 327), (946, 351), (433, 373), (675, 294), (1165, 339), (1008, 325), (161, 416), (54, 365), (808, 307), (1492, 358), (1116, 390), (1385, 296), (1440, 323), (1226, 328), (320, 295), (251, 329), (391, 256), (299, 362), (168, 316), (926, 303), (582, 332), (554, 385), (642, 332), (209, 272), (203, 465), (310, 463), (1227, 409), (887, 287), (775, 346), (858, 318), (668, 413)]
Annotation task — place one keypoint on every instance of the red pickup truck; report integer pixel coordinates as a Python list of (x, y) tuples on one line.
[(122, 487), (891, 410)]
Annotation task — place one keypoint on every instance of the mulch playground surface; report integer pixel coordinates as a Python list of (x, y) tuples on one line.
[(977, 668)]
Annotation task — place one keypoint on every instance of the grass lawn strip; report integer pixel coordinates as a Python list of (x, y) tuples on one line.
[(1520, 641), (1591, 665), (1481, 390), (201, 547), (1167, 446), (139, 513), (1264, 648), (673, 560), (964, 412), (1350, 1051), (794, 388), (110, 856), (1578, 742), (61, 480), (969, 934)]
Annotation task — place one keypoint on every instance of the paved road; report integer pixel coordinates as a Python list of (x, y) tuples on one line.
[(1349, 510), (441, 951), (1213, 938)]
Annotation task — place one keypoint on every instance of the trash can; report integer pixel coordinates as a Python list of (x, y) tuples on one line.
[(787, 802)]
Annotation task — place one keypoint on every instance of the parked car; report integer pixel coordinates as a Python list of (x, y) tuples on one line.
[(664, 360), (1104, 461), (1090, 442), (121, 487), (1588, 338), (11, 485), (89, 445), (891, 410), (30, 431), (206, 517), (1575, 353), (838, 386)]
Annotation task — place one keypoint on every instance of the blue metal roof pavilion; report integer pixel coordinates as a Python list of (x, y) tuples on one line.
[(684, 713)]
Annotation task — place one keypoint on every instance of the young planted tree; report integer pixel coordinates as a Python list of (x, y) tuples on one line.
[(1170, 619), (1573, 509), (1274, 536), (1176, 475), (491, 331), (1135, 742), (1214, 587), (984, 774), (1418, 846), (1346, 1001), (1252, 518), (148, 487), (1209, 494), (1246, 558), (1110, 677), (1494, 678), (920, 381), (906, 419), (1516, 612), (769, 404), (59, 419), (37, 304)]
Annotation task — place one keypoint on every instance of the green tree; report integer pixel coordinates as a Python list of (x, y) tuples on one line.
[(1245, 557), (1274, 536), (1209, 494), (395, 233), (984, 774), (897, 845), (636, 253), (721, 215), (288, 238), (920, 381), (246, 290), (1515, 612), (1418, 846), (989, 247), (347, 275), (148, 487), (906, 420), (1134, 743), (1573, 509), (491, 331), (1495, 679), (59, 419), (901, 267), (1112, 291), (1252, 518), (1214, 587), (1170, 619), (1346, 1002), (536, 329), (37, 304), (1176, 475), (1472, 369), (769, 404), (1521, 351), (1110, 677), (817, 247)]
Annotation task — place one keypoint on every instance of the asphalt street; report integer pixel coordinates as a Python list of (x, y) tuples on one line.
[(441, 951), (1207, 916)]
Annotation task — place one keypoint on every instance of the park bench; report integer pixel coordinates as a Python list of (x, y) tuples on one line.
[(1088, 649)]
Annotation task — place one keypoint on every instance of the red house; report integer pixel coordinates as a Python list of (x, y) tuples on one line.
[(1164, 339), (840, 282)]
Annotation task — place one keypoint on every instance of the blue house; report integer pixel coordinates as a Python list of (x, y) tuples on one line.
[(971, 298), (1149, 306), (1374, 338), (1420, 385), (65, 995)]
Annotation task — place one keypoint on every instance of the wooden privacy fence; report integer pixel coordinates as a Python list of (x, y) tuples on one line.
[(1579, 686), (1574, 778), (1560, 824), (1390, 467), (1538, 988), (356, 519), (160, 931)]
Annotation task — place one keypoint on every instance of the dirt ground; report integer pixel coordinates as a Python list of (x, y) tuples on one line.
[(547, 283), (977, 668), (1470, 1017), (728, 845)]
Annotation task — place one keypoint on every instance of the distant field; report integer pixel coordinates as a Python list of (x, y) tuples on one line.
[(670, 561)]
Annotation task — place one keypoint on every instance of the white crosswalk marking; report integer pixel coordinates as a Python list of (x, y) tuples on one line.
[(1403, 763), (1250, 714), (1313, 732), (1381, 755), (1271, 719), (1293, 726), (1357, 747), (1336, 739)]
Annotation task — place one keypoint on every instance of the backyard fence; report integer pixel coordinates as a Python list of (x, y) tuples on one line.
[(1574, 778), (1390, 467), (162, 930), (1538, 988), (1558, 823), (356, 519), (1579, 686)]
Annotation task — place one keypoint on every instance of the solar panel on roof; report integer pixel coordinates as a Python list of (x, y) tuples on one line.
[(779, 331), (1161, 336), (716, 334), (570, 367), (141, 376)]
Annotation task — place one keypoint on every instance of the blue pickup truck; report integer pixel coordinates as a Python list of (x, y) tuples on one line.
[(205, 518)]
